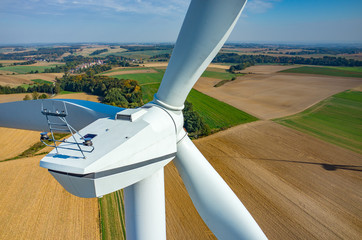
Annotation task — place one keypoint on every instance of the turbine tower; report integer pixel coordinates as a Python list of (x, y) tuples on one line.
[(112, 148)]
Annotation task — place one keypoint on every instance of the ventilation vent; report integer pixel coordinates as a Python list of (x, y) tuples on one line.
[(130, 114)]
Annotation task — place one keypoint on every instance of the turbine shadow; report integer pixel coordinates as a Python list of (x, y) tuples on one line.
[(326, 166)]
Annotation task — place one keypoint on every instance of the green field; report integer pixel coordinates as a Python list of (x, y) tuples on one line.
[(329, 71), (24, 69), (337, 119), (136, 54), (36, 81), (218, 115), (144, 78), (124, 69), (148, 90), (112, 222), (353, 69), (218, 75), (143, 54), (41, 81)]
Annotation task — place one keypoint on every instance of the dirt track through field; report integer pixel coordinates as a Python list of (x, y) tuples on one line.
[(294, 185), (267, 94), (34, 206)]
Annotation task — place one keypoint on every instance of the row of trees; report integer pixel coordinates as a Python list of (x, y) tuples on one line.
[(161, 57), (43, 88), (35, 96), (240, 67), (44, 53), (25, 63), (96, 52), (109, 88), (194, 123), (255, 59)]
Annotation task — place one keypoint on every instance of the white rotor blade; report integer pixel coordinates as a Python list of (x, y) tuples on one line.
[(207, 25), (216, 203), (27, 114)]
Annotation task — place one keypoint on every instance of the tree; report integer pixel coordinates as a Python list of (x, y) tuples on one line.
[(26, 97), (35, 95), (193, 122), (43, 96), (115, 97), (57, 89)]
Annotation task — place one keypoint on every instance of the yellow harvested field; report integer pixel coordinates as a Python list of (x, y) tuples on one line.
[(34, 206), (85, 51), (130, 72), (18, 79), (267, 94), (155, 64), (80, 96), (43, 63), (10, 61), (12, 97), (294, 185), (14, 141)]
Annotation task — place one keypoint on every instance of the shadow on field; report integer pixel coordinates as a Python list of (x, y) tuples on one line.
[(326, 166)]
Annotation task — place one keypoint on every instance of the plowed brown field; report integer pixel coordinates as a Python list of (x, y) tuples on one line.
[(294, 185), (267, 94), (34, 206), (80, 96)]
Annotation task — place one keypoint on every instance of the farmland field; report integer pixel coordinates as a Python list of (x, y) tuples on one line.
[(143, 54), (294, 185), (337, 119), (23, 69), (120, 69), (41, 81), (19, 79), (219, 75), (34, 206), (112, 214), (353, 69), (143, 78), (330, 71), (217, 114), (267, 94), (148, 91)]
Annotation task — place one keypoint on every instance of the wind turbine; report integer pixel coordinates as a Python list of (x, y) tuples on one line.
[(114, 148)]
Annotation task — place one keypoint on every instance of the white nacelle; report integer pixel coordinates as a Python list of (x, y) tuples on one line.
[(127, 149)]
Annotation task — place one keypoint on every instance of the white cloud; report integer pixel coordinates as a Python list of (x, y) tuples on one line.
[(260, 6)]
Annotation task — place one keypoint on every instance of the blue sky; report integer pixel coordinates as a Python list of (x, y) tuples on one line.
[(121, 21)]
